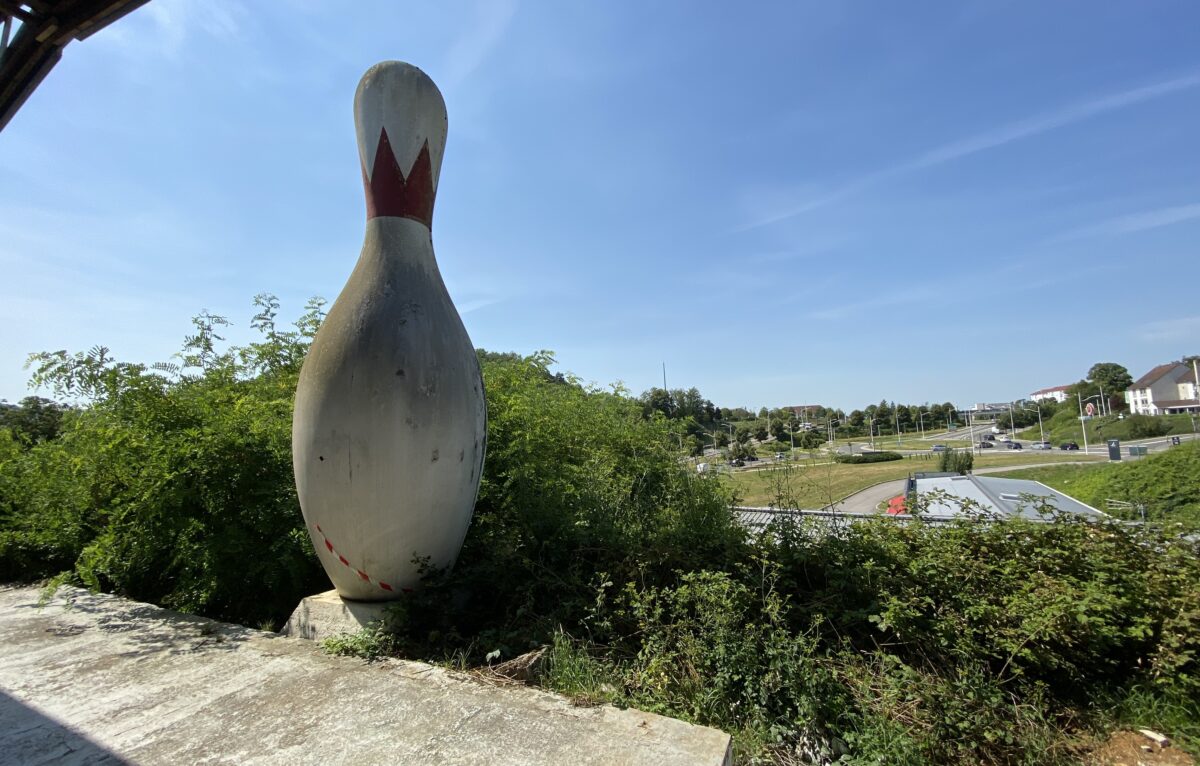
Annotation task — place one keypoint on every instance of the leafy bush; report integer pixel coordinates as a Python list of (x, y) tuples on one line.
[(1145, 427), (956, 461), (174, 485), (869, 457)]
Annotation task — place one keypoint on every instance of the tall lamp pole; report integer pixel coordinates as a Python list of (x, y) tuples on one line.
[(1082, 422), (1038, 407)]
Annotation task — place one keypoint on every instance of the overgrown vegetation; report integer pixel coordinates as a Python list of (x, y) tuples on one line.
[(967, 643), (171, 484), (868, 457), (956, 461), (1065, 426)]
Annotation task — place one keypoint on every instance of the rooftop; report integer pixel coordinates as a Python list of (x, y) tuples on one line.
[(950, 496), (1150, 378), (1050, 390)]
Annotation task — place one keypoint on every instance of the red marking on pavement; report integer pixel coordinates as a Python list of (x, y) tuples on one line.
[(391, 193)]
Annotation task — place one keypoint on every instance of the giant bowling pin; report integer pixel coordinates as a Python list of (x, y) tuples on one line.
[(390, 421)]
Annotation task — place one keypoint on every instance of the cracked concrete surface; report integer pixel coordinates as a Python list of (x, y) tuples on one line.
[(96, 679)]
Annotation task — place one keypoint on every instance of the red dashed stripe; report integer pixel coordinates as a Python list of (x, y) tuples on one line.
[(365, 577)]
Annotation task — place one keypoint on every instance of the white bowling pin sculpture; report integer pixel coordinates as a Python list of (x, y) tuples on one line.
[(390, 420)]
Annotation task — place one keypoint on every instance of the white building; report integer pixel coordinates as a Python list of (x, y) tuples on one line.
[(1057, 393), (1166, 390)]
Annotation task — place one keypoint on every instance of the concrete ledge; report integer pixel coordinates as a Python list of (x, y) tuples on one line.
[(99, 679), (327, 614)]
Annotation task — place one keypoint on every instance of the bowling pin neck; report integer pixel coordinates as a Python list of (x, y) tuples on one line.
[(400, 120)]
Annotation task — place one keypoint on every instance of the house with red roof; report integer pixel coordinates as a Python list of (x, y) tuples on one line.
[(1057, 393)]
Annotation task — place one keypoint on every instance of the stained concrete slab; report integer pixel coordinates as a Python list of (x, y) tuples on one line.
[(96, 679), (327, 614)]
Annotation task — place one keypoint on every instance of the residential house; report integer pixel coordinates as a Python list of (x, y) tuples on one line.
[(1166, 390)]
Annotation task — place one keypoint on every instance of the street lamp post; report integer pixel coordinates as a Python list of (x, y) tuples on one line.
[(872, 424), (1082, 422), (1041, 431)]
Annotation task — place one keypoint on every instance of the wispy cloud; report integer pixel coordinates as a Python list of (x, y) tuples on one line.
[(471, 49), (1170, 330), (981, 142), (1127, 224), (174, 21)]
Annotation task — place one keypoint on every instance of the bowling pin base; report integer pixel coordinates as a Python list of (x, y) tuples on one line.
[(327, 614)]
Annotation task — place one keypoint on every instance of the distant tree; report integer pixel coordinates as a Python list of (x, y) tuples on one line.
[(657, 400), (34, 420), (810, 439), (1113, 378), (779, 429), (760, 430), (1081, 390)]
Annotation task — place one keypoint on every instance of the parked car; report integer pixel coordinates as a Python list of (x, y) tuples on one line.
[(1041, 445), (737, 462), (938, 448), (1013, 445), (1005, 438), (988, 438), (986, 445), (1068, 445), (780, 455)]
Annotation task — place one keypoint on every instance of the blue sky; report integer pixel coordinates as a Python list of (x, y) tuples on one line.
[(822, 202)]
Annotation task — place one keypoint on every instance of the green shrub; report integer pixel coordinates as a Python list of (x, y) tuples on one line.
[(868, 457), (1145, 427), (956, 461), (173, 485)]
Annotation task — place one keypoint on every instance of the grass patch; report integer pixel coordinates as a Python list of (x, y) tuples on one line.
[(819, 482)]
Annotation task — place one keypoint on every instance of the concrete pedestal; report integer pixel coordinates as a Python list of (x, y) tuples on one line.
[(327, 614)]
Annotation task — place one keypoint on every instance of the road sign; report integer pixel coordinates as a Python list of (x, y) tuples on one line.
[(1114, 449), (1174, 441), (1090, 409)]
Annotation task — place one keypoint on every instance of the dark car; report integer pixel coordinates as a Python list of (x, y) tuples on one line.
[(989, 437), (1068, 445), (1014, 445), (986, 445), (737, 463)]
